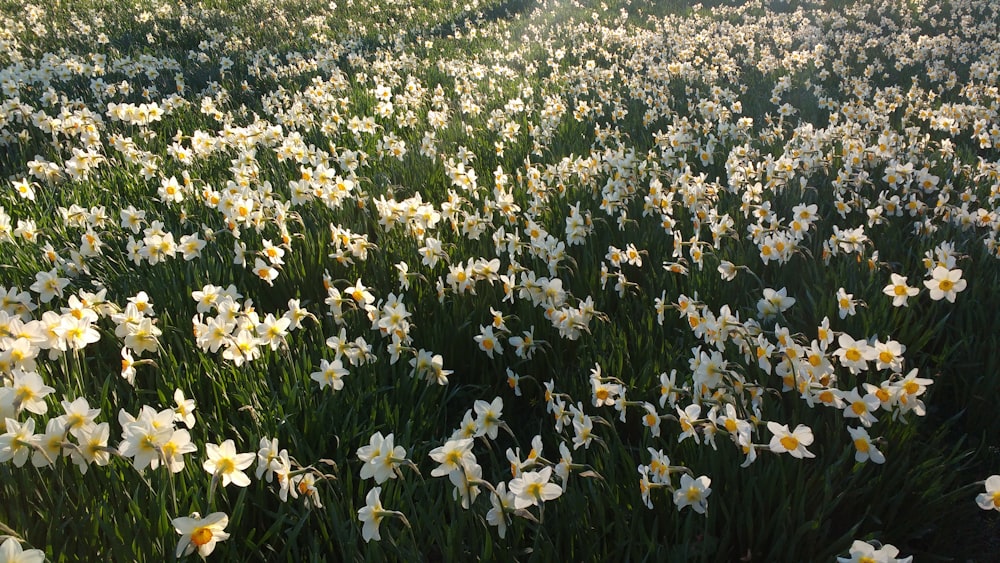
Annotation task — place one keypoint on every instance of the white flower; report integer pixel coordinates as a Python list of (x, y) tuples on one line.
[(990, 500), (200, 533), (693, 492), (11, 552), (371, 515), (945, 284), (792, 441), (227, 464), (533, 488)]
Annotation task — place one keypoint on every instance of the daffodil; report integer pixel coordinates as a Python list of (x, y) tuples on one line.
[(693, 492), (899, 290), (225, 464), (990, 500), (12, 552), (793, 442), (201, 534), (454, 455), (864, 447), (533, 488), (945, 284), (17, 442), (864, 552)]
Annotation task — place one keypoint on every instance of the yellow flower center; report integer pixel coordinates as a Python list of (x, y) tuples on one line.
[(730, 425), (852, 355), (650, 419), (225, 466), (886, 356), (899, 290), (201, 536), (826, 396), (946, 285), (790, 443), (859, 407), (693, 494), (862, 445), (534, 490)]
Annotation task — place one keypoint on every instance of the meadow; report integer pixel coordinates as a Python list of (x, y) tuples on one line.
[(499, 279)]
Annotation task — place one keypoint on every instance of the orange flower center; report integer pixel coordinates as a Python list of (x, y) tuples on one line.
[(790, 443), (201, 536)]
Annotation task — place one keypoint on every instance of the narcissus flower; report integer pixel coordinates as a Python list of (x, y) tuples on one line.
[(945, 284), (990, 500), (200, 533), (864, 447), (533, 488), (899, 291), (693, 492), (371, 515), (227, 464), (863, 552), (11, 551), (792, 441), (454, 455)]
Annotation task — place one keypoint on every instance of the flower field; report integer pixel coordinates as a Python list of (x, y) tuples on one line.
[(522, 279)]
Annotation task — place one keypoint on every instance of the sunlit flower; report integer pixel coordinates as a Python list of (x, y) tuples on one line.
[(225, 464), (454, 455), (330, 373), (199, 533), (17, 442)]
